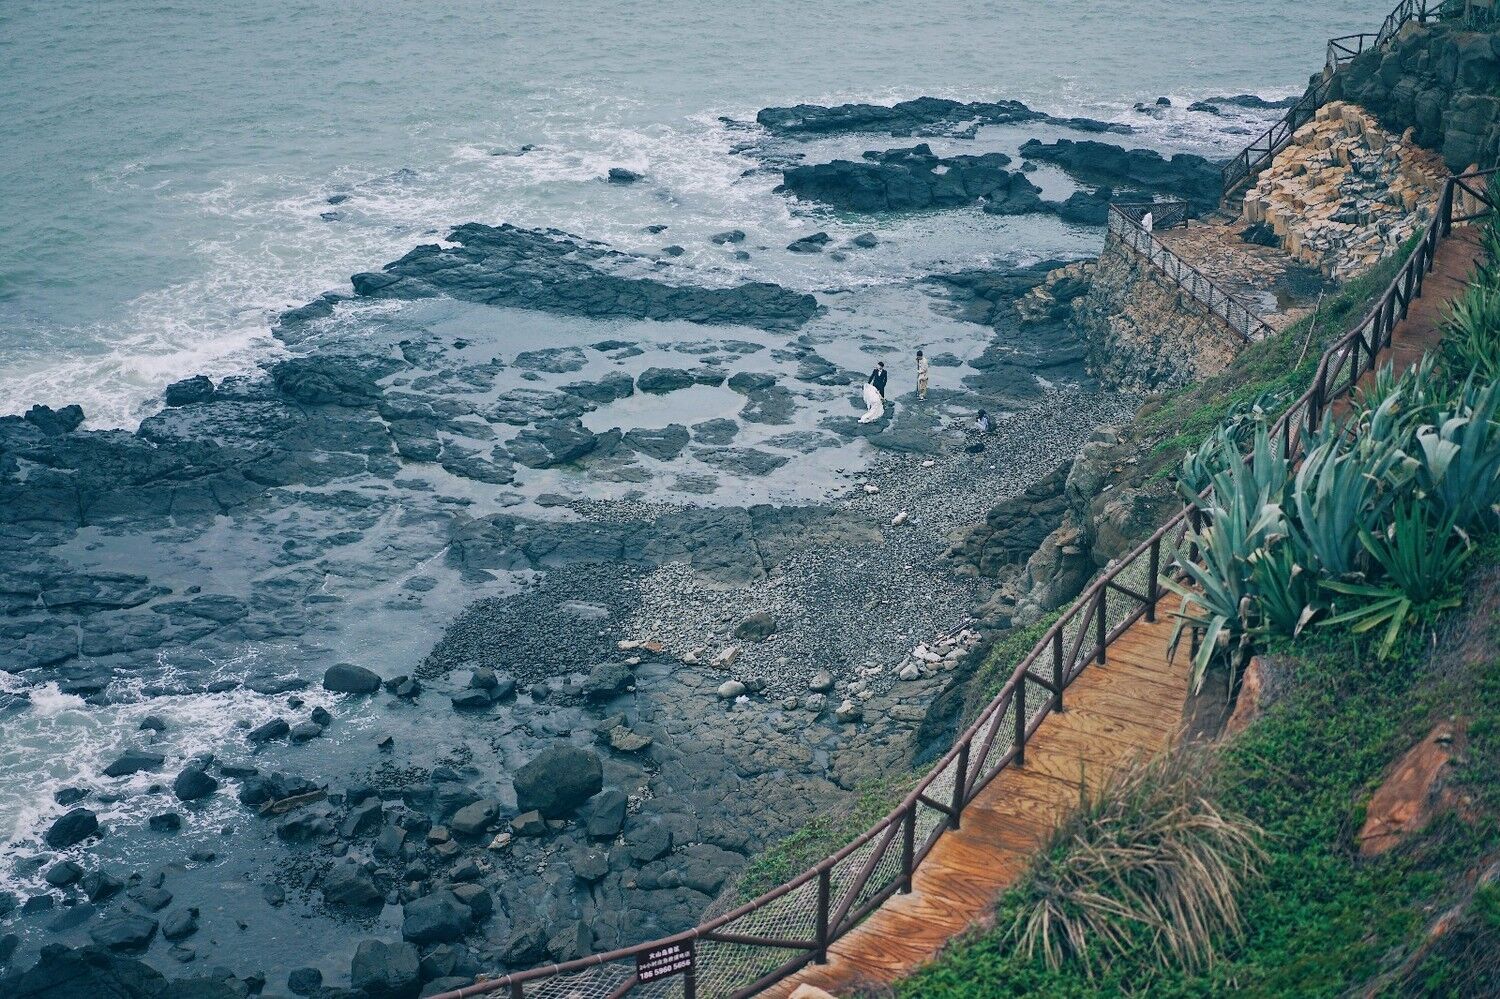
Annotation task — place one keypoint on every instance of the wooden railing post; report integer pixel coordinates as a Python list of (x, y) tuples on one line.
[(1153, 584), (1020, 703), (824, 890), (1101, 626), (517, 991), (960, 778), (908, 848), (1057, 666)]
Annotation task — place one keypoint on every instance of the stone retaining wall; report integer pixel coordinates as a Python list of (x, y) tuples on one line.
[(1144, 333)]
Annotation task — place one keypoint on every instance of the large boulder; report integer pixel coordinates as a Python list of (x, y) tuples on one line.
[(350, 884), (72, 829), (188, 391), (124, 931), (85, 971), (553, 442), (346, 678), (193, 784), (386, 971), (436, 918), (558, 780), (134, 761)]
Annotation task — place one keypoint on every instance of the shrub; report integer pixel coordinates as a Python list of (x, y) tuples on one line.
[(1146, 861)]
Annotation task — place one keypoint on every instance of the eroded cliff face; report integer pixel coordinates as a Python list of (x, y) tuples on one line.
[(1345, 193), (1440, 81), (1145, 333)]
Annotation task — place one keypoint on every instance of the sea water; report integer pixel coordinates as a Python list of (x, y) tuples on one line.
[(165, 166)]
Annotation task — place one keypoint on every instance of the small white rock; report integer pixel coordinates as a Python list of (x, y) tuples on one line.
[(731, 689), (910, 672), (899, 519), (726, 659), (871, 489), (928, 463)]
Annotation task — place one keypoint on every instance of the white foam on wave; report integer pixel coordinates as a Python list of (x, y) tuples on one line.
[(59, 741)]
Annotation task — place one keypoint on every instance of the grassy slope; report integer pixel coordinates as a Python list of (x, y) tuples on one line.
[(1320, 921)]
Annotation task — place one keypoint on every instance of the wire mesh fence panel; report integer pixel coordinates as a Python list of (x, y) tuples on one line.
[(724, 967), (599, 982), (1005, 737), (887, 871)]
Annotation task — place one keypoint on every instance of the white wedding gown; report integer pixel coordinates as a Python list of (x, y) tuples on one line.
[(876, 408)]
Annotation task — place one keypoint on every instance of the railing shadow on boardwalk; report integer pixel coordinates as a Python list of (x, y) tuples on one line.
[(1128, 226), (771, 937)]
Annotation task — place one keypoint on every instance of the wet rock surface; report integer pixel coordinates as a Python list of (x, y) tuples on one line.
[(921, 116), (1183, 175), (550, 270), (915, 179)]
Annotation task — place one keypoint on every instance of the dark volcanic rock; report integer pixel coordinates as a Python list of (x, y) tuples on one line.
[(1192, 178), (74, 827), (62, 972), (924, 115), (188, 391), (273, 729), (125, 931), (55, 423), (193, 784), (913, 179), (744, 460), (553, 442), (662, 443), (756, 628), (558, 780), (620, 175), (134, 761), (436, 918), (660, 380), (349, 884), (615, 385), (553, 272), (346, 678), (386, 971)]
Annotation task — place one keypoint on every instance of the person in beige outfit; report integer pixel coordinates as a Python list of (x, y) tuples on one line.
[(921, 376)]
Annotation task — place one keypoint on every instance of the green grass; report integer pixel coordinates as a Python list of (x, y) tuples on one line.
[(1180, 421), (1000, 662), (1319, 921), (824, 835)]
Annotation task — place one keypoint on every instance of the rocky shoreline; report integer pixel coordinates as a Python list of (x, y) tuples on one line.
[(519, 640)]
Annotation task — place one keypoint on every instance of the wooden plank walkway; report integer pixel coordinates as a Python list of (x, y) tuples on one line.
[(1115, 713), (1130, 708)]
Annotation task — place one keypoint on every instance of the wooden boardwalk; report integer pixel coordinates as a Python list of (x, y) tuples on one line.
[(1129, 708)]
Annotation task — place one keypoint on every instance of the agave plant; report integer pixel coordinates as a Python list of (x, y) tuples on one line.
[(1341, 488), (1471, 335), (1242, 512), (1196, 471), (1286, 592), (1420, 561), (1458, 460)]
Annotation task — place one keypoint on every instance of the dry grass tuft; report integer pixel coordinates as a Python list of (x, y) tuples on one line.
[(1146, 860)]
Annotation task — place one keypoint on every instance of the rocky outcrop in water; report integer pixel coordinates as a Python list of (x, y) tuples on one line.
[(922, 116), (1185, 175), (1438, 81), (554, 272), (914, 179)]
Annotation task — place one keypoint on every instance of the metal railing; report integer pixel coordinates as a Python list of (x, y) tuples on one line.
[(1126, 227), (771, 937), (1254, 157)]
